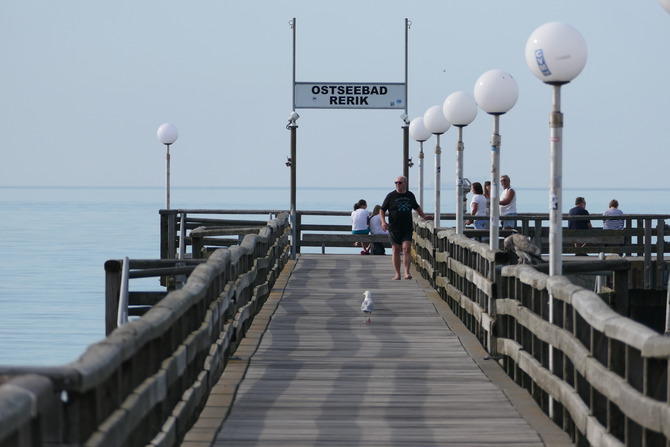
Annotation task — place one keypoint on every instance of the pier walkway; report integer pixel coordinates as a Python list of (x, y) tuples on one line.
[(311, 372)]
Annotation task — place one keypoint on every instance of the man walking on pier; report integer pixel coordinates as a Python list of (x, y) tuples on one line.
[(399, 204)]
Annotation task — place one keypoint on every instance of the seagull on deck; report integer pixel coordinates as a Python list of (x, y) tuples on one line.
[(524, 248), (367, 306)]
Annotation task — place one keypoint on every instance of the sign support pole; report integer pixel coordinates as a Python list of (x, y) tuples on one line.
[(294, 162), (405, 127)]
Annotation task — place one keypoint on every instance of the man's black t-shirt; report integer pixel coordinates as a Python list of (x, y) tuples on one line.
[(399, 207), (578, 224)]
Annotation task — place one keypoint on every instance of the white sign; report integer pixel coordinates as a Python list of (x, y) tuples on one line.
[(350, 95)]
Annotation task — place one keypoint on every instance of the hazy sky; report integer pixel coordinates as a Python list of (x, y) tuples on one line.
[(85, 85)]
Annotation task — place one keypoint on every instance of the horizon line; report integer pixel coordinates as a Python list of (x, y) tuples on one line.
[(450, 186)]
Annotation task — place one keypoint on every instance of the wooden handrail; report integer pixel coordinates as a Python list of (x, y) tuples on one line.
[(602, 361)]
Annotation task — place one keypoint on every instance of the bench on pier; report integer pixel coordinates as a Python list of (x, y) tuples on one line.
[(595, 237), (324, 240), (595, 241)]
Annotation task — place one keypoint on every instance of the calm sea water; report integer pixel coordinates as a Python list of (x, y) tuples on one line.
[(54, 243)]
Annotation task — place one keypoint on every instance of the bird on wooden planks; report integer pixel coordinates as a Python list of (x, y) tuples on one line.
[(367, 306), (524, 249)]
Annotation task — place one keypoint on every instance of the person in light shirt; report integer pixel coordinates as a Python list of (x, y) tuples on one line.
[(359, 223), (613, 210), (507, 202), (376, 228), (478, 207)]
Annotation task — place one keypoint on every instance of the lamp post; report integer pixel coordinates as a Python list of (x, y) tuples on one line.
[(460, 109), (419, 133), (437, 124), (292, 163), (496, 93), (167, 134), (556, 54)]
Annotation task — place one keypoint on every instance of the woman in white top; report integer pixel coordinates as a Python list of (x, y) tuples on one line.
[(478, 207), (360, 221)]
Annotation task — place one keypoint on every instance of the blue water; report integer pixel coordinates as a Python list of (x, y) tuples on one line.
[(54, 243)]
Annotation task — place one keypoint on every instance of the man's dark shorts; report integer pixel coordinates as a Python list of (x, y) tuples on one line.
[(398, 237)]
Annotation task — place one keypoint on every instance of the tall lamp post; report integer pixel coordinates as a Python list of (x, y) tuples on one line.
[(460, 109), (556, 54), (419, 133), (437, 124), (167, 134), (292, 163), (496, 93)]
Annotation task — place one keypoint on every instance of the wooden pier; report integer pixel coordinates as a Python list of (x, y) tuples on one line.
[(311, 372), (245, 346)]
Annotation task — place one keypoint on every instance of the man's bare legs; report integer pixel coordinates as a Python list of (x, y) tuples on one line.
[(405, 252), (396, 249)]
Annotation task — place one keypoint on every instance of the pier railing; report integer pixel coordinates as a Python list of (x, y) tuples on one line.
[(147, 381), (643, 234), (599, 375)]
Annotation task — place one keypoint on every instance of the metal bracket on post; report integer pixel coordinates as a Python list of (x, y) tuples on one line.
[(556, 119), (495, 140)]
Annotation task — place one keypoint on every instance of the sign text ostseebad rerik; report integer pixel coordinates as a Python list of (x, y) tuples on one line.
[(330, 95)]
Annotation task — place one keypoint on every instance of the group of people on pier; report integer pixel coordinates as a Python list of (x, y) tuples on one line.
[(480, 204), (364, 222), (608, 224), (400, 203), (480, 208)]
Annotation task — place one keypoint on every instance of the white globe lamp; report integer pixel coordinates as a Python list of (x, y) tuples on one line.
[(435, 121), (418, 131), (167, 134), (460, 108), (496, 92), (556, 53)]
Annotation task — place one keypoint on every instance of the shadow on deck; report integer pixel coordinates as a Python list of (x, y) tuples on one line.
[(311, 372)]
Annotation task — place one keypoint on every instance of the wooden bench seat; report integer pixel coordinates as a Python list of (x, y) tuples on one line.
[(324, 240)]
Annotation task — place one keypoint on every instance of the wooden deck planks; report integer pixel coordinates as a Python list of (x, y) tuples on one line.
[(323, 377)]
